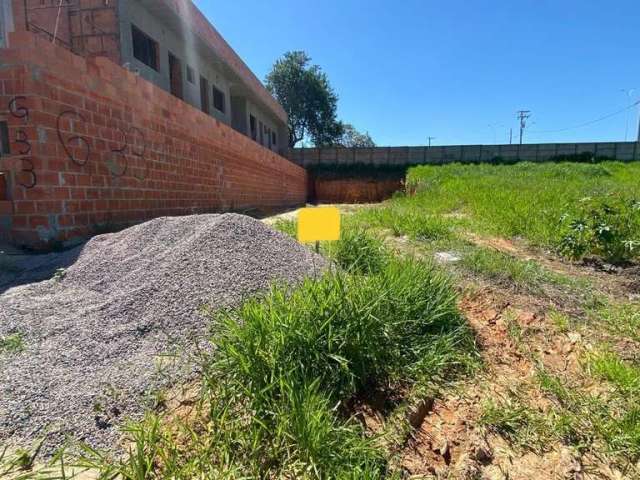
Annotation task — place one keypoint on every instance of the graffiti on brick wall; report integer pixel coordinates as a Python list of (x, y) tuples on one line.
[(28, 178), (17, 110), (76, 146), (67, 143)]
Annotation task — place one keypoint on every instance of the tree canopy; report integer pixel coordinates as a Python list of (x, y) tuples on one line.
[(352, 138), (305, 93)]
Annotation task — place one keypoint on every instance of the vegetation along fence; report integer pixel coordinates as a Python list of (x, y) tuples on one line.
[(310, 157)]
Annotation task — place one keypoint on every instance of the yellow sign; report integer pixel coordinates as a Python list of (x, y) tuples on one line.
[(318, 224)]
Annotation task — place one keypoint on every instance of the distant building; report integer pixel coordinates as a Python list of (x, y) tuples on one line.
[(170, 43)]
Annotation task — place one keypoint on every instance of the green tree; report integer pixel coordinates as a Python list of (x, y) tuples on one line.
[(304, 91), (353, 138)]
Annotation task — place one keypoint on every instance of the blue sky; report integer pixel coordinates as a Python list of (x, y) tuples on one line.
[(408, 69)]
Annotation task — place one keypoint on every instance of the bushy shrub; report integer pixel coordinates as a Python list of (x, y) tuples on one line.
[(607, 227)]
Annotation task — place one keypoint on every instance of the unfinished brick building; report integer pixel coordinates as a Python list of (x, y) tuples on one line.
[(116, 111)]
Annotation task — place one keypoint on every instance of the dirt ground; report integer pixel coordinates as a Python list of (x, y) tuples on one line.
[(451, 443)]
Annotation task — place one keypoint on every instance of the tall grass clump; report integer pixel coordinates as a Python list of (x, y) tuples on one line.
[(348, 332), (359, 252), (292, 357)]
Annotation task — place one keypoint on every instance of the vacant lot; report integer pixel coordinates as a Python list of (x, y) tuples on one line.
[(483, 325)]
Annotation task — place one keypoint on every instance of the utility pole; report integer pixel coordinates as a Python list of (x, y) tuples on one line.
[(629, 94), (511, 136), (430, 138), (523, 115), (638, 104)]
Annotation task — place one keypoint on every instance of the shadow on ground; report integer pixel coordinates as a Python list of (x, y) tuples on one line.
[(20, 268)]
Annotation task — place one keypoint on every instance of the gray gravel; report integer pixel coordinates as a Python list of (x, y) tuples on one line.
[(93, 338)]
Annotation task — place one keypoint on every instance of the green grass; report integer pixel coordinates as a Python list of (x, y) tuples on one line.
[(523, 274), (287, 226), (620, 319), (13, 343), (405, 220), (359, 252), (597, 423), (518, 422), (560, 320), (523, 200), (608, 366)]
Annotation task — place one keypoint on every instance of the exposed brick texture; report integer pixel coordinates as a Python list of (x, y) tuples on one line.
[(90, 27), (93, 145), (87, 27), (355, 190)]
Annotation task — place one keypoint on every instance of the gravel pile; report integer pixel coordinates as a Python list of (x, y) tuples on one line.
[(93, 338)]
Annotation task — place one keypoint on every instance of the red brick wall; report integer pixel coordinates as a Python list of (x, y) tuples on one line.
[(355, 190), (87, 27), (95, 145)]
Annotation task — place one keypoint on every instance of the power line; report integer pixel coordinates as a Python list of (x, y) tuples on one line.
[(591, 122)]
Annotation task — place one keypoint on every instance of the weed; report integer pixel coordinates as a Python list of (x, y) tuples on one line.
[(19, 464), (523, 200), (514, 330), (561, 321), (13, 343), (351, 331), (596, 423), (608, 227), (60, 274), (524, 426), (406, 221), (622, 375)]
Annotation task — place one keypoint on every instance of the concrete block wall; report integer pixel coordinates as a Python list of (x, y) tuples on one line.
[(94, 145), (308, 157)]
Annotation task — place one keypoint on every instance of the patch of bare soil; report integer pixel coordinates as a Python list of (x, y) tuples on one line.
[(618, 282), (513, 334)]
